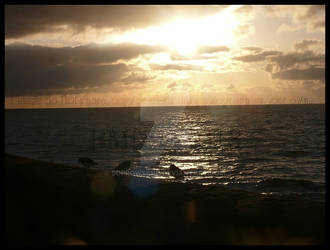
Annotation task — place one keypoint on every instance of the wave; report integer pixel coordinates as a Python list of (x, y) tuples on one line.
[(291, 153), (281, 184)]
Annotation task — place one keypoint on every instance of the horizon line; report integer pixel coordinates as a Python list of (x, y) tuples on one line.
[(173, 106)]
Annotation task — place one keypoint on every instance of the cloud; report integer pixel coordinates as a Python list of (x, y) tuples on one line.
[(55, 79), (297, 58), (245, 9), (172, 85), (311, 12), (306, 65), (244, 30), (246, 12), (253, 48), (309, 84), (319, 25), (212, 49), (231, 87), (204, 52), (309, 27), (302, 17), (178, 57), (32, 70), (305, 44), (257, 57), (269, 68), (23, 20), (291, 66), (301, 74), (112, 53), (283, 28), (297, 17), (297, 12), (137, 77), (176, 67), (87, 54)]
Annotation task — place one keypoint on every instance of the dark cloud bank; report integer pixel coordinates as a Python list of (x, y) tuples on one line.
[(296, 65), (257, 57), (23, 20), (301, 74), (37, 70)]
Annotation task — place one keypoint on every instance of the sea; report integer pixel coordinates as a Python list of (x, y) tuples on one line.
[(268, 149)]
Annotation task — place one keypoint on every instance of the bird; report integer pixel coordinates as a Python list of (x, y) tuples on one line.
[(175, 171), (87, 162), (125, 165)]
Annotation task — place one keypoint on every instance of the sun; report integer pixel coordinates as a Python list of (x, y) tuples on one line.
[(185, 35)]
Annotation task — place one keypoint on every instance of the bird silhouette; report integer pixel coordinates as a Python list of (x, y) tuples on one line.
[(125, 165), (87, 162), (176, 172)]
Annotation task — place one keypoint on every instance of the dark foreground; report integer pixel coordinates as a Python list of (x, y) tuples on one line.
[(49, 203)]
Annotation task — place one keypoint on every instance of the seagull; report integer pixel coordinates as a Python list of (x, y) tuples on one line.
[(175, 171), (125, 165), (87, 162)]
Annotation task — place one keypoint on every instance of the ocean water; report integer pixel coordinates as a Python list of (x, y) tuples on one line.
[(269, 149)]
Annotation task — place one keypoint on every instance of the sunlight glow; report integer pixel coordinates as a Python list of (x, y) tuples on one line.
[(185, 35)]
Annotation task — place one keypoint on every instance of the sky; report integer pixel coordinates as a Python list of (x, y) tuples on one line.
[(162, 55)]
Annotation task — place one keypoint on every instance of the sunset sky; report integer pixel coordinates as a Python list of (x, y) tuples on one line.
[(146, 55)]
